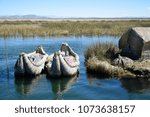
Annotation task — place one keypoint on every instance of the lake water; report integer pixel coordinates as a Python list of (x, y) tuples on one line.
[(85, 86)]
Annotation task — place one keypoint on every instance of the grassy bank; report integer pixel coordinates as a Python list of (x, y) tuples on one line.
[(98, 59), (68, 28)]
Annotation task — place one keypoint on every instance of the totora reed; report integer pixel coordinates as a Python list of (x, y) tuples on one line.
[(30, 28)]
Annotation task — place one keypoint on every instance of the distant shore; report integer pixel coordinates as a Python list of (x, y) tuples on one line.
[(68, 27), (71, 19)]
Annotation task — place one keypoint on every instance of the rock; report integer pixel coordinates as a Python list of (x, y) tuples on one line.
[(135, 42), (124, 62)]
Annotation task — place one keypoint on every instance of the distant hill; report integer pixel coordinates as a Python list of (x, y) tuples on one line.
[(30, 16), (23, 17), (62, 18)]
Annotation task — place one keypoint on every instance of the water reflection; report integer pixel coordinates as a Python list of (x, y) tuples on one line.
[(131, 85), (61, 85), (135, 85), (25, 84), (93, 79)]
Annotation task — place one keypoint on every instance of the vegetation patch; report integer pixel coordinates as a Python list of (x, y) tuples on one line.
[(99, 60), (68, 28)]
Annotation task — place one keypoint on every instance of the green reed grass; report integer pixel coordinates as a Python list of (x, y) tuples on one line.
[(68, 28)]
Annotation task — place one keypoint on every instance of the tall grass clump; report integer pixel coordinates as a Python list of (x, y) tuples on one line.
[(98, 58), (100, 51)]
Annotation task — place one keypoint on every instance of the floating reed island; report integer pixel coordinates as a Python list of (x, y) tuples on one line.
[(130, 60), (31, 28)]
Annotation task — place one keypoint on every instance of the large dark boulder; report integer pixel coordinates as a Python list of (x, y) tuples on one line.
[(135, 42)]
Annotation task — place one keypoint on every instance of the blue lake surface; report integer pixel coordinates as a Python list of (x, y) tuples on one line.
[(85, 86)]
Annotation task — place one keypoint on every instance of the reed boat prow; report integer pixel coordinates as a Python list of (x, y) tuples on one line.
[(32, 63)]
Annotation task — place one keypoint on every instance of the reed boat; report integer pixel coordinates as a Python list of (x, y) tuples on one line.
[(65, 62), (31, 63)]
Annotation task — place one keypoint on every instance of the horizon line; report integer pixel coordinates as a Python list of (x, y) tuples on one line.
[(68, 17)]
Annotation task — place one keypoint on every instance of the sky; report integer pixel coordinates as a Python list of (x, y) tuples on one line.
[(76, 8)]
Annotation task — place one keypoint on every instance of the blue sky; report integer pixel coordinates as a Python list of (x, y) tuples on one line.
[(76, 8)]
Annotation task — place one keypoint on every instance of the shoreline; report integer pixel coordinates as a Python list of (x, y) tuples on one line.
[(72, 19)]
